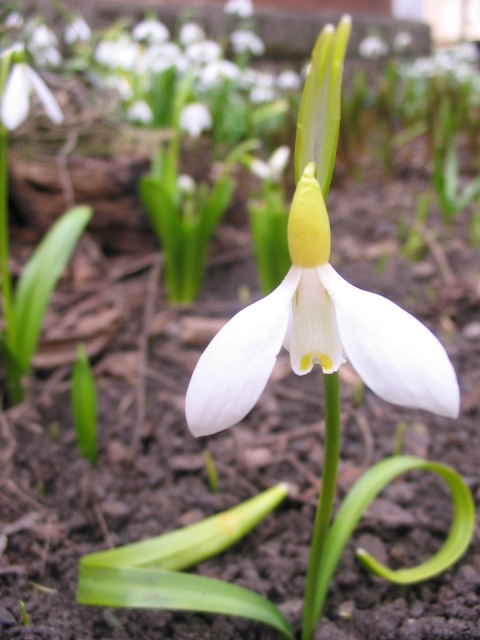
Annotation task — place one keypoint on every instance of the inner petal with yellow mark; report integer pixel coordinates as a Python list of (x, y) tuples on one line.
[(314, 335)]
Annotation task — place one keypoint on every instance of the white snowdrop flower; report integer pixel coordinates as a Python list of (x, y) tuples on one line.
[(189, 33), (216, 72), (422, 68), (77, 31), (14, 20), (42, 37), (373, 48), (248, 78), (186, 184), (140, 112), (21, 82), (48, 57), (260, 94), (121, 85), (43, 45), (274, 167), (203, 52), (244, 41), (402, 41), (240, 8), (288, 80), (152, 31), (320, 318), (195, 119), (161, 57), (121, 53), (466, 52)]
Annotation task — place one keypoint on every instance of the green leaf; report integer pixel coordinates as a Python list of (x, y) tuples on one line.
[(40, 278), (320, 108), (139, 574), (357, 501), (84, 406), (269, 235), (154, 588), (190, 545)]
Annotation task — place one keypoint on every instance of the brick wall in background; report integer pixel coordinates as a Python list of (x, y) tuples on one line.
[(353, 7), (289, 31)]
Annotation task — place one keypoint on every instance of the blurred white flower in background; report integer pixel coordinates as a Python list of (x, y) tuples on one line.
[(288, 80), (262, 88), (203, 52), (161, 57), (121, 85), (402, 42), (77, 31), (43, 45), (121, 53), (140, 112), (274, 167), (216, 72), (14, 20), (186, 184), (152, 31), (240, 8), (195, 119), (259, 94), (21, 83), (373, 48), (244, 41), (189, 33)]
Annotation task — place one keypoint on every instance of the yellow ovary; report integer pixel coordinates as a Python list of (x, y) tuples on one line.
[(308, 223)]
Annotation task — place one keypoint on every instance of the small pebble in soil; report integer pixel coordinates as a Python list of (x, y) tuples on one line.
[(471, 332), (6, 618), (346, 610)]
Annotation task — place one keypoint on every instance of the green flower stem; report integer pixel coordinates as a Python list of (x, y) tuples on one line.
[(6, 289), (325, 503)]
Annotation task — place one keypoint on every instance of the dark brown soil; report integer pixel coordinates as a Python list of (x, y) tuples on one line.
[(150, 476)]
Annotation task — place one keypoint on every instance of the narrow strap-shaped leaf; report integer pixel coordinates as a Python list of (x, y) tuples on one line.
[(360, 496), (190, 545), (155, 588), (41, 276)]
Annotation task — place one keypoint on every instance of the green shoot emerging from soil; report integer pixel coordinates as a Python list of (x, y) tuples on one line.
[(24, 308)]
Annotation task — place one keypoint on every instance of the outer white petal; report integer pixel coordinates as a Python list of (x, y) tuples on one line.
[(234, 369), (395, 354), (46, 96), (15, 102)]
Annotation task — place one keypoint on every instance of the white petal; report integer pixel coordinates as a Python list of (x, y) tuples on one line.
[(15, 102), (278, 161), (259, 168), (234, 369), (313, 329), (46, 96), (395, 354)]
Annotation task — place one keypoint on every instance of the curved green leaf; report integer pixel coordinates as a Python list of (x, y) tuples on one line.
[(40, 278), (186, 547), (360, 496), (158, 589)]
